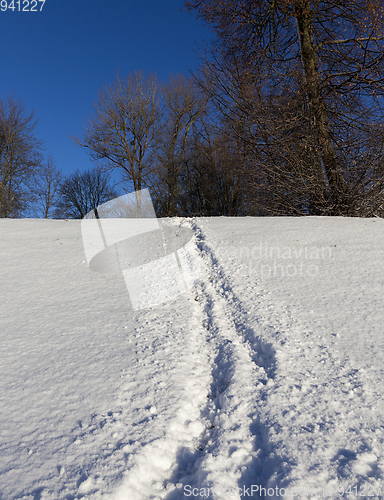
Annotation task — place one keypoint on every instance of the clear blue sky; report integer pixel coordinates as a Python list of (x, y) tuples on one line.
[(56, 60)]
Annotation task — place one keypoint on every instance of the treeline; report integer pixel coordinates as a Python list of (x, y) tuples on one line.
[(284, 117), (161, 136), (167, 137)]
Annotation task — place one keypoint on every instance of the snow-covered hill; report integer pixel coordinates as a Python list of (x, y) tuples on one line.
[(265, 380)]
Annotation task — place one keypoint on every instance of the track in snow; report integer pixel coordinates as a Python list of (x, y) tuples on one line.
[(232, 455)]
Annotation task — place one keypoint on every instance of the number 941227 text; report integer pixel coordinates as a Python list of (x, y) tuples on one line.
[(22, 5)]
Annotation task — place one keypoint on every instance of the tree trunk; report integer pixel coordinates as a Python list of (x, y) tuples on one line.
[(333, 182)]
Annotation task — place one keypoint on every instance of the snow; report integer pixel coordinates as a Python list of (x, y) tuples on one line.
[(263, 380)]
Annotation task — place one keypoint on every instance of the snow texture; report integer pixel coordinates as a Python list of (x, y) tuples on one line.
[(264, 380)]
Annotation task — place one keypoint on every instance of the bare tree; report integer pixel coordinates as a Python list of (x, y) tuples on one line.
[(20, 157), (46, 188), (82, 192), (210, 178), (308, 76), (183, 106), (123, 132)]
